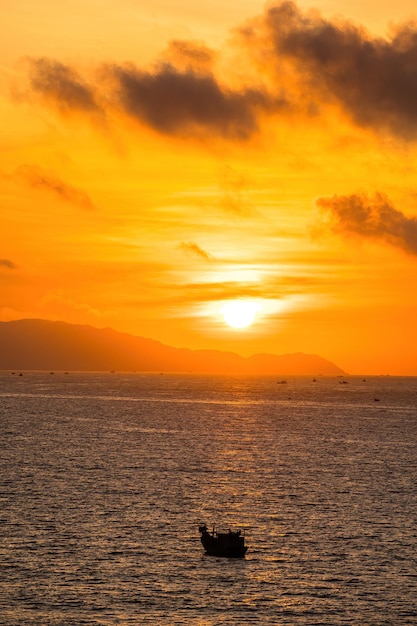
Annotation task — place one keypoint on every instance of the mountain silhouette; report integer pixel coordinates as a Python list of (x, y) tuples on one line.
[(33, 344)]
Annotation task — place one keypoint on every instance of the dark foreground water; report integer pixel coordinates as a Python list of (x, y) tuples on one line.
[(106, 477)]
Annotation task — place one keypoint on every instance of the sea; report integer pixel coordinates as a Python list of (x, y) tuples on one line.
[(106, 477)]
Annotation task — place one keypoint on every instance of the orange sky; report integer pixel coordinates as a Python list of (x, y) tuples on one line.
[(161, 159)]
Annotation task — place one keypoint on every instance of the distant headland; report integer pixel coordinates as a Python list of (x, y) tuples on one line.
[(34, 344)]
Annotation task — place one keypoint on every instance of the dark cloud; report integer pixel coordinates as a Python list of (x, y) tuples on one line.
[(39, 179), (195, 249), (374, 79), (373, 218), (62, 85), (7, 264), (188, 102), (183, 100), (303, 62)]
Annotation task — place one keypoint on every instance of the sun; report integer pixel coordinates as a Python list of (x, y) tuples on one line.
[(240, 313)]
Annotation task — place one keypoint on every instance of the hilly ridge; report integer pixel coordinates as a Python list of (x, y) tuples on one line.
[(44, 345)]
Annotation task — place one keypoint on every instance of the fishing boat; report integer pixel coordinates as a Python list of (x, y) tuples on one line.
[(230, 544)]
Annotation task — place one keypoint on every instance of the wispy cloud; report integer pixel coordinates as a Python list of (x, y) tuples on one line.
[(372, 218), (8, 264), (38, 178), (192, 248), (190, 55), (233, 198)]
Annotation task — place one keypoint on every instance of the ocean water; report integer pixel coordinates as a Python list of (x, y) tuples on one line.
[(106, 477)]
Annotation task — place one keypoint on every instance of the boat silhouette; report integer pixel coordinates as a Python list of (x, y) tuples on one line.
[(230, 544)]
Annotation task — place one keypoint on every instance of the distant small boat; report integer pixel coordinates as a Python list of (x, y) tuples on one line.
[(230, 544)]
